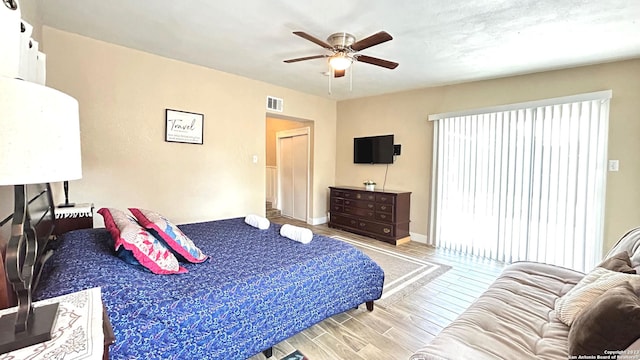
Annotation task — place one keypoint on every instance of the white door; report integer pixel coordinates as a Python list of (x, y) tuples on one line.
[(299, 174), (293, 172), (285, 167)]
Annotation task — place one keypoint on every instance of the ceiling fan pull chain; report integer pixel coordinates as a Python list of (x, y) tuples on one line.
[(331, 74), (351, 79)]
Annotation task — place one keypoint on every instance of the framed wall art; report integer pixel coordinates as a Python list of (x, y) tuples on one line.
[(184, 127)]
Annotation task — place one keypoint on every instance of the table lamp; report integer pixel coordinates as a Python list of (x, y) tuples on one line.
[(39, 143)]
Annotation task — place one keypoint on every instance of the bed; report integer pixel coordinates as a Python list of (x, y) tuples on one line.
[(256, 289)]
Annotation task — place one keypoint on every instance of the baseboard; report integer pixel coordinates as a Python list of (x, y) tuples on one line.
[(317, 221), (418, 237)]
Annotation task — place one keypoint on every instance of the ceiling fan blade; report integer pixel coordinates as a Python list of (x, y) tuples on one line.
[(339, 73), (313, 39), (375, 61), (372, 40), (306, 58)]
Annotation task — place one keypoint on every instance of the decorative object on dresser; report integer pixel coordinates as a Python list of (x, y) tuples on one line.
[(39, 143), (369, 185), (77, 217), (382, 215)]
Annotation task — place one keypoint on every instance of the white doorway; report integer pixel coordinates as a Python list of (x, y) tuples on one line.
[(292, 156)]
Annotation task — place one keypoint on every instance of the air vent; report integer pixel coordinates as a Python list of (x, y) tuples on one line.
[(274, 104)]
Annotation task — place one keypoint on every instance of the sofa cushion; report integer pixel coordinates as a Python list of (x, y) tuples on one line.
[(611, 322), (619, 262), (513, 319), (594, 284)]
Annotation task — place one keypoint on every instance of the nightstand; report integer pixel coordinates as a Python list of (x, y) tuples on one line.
[(82, 329), (73, 218)]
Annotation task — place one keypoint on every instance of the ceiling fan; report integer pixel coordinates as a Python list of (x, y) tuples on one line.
[(345, 48)]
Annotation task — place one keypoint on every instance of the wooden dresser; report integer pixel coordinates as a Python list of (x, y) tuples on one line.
[(382, 215)]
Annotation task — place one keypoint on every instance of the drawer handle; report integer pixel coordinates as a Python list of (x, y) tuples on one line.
[(370, 206), (370, 198), (353, 222), (383, 216), (358, 196), (386, 230), (363, 224), (347, 202), (383, 199), (336, 207), (383, 207)]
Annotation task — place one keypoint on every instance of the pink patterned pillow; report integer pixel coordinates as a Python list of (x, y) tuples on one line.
[(172, 236), (146, 249)]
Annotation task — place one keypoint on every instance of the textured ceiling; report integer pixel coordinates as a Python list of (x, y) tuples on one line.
[(436, 42)]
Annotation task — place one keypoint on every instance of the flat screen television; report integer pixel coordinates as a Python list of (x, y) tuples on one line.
[(373, 150)]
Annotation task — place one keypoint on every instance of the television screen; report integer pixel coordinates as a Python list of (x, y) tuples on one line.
[(373, 150)]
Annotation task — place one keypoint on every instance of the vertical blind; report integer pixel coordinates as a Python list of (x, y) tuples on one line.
[(523, 182)]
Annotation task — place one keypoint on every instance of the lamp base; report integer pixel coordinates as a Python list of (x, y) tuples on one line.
[(40, 328), (66, 205)]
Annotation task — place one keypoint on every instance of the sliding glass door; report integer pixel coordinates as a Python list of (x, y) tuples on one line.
[(523, 182)]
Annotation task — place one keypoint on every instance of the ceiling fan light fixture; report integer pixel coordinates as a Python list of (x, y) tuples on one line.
[(340, 61)]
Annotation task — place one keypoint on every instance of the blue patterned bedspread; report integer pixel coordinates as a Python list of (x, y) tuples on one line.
[(257, 289)]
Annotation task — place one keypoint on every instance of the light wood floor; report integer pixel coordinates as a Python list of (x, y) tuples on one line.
[(398, 331)]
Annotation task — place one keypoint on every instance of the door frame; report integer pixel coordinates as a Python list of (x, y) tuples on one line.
[(291, 133)]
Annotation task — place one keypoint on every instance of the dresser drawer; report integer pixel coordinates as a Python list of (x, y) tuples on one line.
[(337, 201), (384, 208), (368, 196), (360, 212), (376, 228), (337, 193), (385, 199), (337, 208), (360, 204), (344, 220), (384, 217)]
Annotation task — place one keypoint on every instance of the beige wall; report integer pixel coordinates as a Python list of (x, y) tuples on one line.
[(123, 94), (405, 115)]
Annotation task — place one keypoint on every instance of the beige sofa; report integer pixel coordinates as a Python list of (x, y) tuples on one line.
[(515, 318)]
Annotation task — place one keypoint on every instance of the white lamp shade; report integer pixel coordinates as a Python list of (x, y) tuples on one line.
[(39, 134)]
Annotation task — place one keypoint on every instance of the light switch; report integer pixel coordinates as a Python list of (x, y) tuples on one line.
[(614, 165), (255, 159)]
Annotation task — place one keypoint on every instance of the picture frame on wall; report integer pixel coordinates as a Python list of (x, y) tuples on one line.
[(183, 127)]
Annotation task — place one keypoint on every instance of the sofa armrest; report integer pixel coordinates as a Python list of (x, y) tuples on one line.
[(629, 242)]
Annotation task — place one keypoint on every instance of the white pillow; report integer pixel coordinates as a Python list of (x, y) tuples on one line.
[(588, 289)]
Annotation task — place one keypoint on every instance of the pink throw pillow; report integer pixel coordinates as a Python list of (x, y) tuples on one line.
[(145, 248), (173, 237)]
